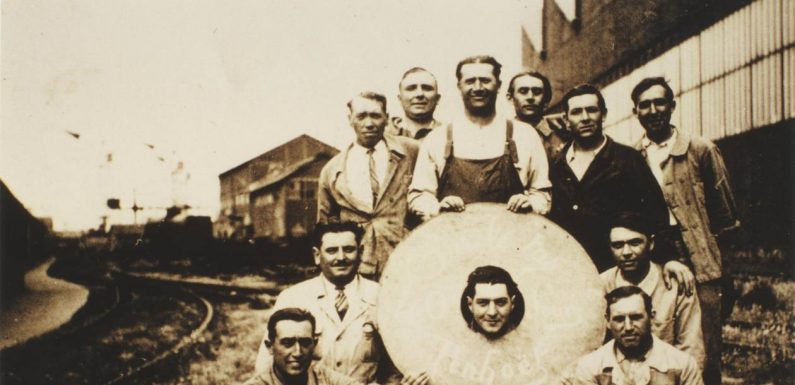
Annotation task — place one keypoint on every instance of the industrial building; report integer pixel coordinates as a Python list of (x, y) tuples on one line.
[(274, 195), (731, 64)]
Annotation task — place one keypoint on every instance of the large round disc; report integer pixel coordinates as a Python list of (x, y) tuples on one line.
[(419, 313)]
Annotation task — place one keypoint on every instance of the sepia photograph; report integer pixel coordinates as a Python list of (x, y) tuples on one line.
[(397, 192)]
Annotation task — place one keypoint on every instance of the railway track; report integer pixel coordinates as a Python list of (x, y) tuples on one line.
[(124, 339)]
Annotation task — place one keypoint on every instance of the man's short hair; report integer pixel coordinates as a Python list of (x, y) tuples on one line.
[(650, 82), (414, 70), (324, 228), (634, 221), (291, 314), (539, 76), (493, 275), (584, 89), (626, 292), (495, 65), (381, 99)]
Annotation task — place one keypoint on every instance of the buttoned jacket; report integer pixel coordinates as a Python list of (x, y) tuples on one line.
[(697, 190), (351, 346), (387, 223)]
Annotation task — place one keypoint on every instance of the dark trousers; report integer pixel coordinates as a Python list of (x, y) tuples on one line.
[(709, 294)]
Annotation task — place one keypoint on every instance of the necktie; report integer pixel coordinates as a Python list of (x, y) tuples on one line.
[(341, 303), (373, 177)]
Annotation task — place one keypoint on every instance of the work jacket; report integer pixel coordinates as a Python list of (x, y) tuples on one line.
[(697, 190), (386, 224)]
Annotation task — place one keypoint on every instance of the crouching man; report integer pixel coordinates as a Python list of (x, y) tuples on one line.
[(634, 356), (291, 342), (676, 318)]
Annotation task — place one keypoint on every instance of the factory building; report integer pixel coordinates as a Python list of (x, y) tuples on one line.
[(731, 64), (274, 195)]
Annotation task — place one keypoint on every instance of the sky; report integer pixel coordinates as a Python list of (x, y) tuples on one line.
[(149, 84)]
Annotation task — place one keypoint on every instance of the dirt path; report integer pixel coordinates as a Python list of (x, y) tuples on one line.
[(46, 304)]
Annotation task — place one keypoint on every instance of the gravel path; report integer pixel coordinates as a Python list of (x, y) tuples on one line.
[(47, 304)]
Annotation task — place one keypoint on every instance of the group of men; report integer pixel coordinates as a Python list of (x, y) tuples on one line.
[(650, 218)]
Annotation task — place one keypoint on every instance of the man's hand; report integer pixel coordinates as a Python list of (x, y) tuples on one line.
[(452, 203), (519, 203), (678, 271), (416, 379)]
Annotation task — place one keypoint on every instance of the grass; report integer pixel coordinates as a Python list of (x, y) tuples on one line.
[(758, 338), (229, 351), (135, 332)]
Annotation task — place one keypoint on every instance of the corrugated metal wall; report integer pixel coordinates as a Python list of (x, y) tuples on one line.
[(736, 75)]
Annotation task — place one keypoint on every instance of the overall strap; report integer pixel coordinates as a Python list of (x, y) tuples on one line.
[(510, 145), (448, 146)]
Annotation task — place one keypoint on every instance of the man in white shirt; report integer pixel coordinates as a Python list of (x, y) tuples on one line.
[(418, 94), (367, 182), (480, 156)]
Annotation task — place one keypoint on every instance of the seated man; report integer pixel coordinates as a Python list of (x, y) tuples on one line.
[(491, 303), (291, 342), (676, 318), (634, 356)]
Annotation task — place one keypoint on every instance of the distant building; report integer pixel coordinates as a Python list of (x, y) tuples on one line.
[(274, 195), (731, 64), (125, 236), (23, 244)]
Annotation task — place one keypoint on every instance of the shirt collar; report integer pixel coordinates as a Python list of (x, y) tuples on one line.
[(655, 357), (571, 153), (379, 148), (646, 142), (647, 284), (351, 289)]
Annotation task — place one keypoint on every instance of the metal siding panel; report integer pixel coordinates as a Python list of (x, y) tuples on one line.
[(720, 109), (776, 88), (789, 83), (707, 117), (619, 132), (690, 109), (745, 107), (788, 22), (690, 64), (746, 26), (768, 27), (730, 97), (705, 53), (730, 41), (756, 26), (775, 23)]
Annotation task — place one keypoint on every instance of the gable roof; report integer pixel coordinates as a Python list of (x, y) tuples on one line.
[(295, 141), (276, 178)]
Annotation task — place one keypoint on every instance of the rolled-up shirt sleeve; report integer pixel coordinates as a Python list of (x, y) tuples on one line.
[(534, 167), (427, 170)]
